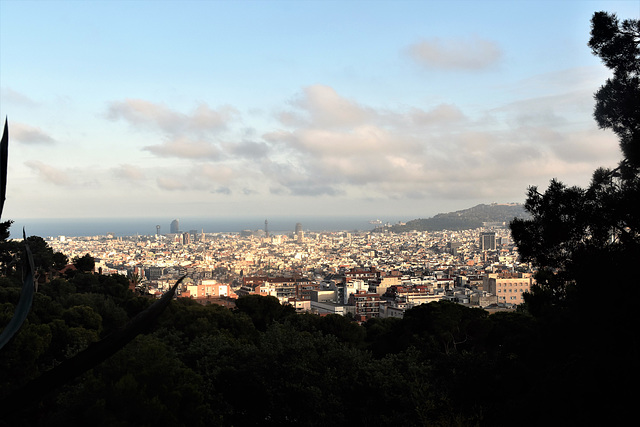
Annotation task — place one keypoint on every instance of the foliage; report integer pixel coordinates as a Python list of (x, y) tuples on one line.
[(585, 242), (263, 310), (208, 365), (572, 229), (85, 263)]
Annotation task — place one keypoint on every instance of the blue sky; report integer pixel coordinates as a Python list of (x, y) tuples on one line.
[(232, 108)]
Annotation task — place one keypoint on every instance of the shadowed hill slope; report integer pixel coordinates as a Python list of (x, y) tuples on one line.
[(477, 216)]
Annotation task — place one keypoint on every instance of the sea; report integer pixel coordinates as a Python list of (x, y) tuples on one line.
[(122, 227)]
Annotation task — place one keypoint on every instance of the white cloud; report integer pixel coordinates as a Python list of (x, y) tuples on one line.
[(28, 134), (432, 152), (323, 107), (331, 146), (473, 53), (171, 183), (182, 147), (129, 172), (13, 97), (49, 173), (141, 113)]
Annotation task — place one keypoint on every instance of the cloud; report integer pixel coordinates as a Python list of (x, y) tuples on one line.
[(145, 114), (321, 106), (182, 147), (49, 173), (11, 96), (222, 190), (440, 115), (455, 54), (193, 136), (29, 134), (128, 172), (171, 183), (325, 145), (248, 149), (437, 151)]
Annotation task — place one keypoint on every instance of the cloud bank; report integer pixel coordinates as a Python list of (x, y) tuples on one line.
[(323, 144)]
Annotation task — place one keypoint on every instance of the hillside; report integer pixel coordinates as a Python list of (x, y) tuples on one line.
[(465, 219)]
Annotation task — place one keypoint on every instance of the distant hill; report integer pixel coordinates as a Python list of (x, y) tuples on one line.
[(478, 216)]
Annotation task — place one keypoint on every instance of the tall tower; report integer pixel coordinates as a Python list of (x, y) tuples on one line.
[(175, 226), (488, 241), (266, 228), (299, 233), (157, 231)]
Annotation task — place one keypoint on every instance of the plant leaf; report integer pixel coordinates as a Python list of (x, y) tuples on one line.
[(26, 298), (4, 159), (89, 358)]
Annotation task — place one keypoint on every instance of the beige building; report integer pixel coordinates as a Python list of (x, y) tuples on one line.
[(508, 287), (210, 289)]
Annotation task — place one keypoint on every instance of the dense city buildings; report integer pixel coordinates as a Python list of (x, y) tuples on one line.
[(364, 274)]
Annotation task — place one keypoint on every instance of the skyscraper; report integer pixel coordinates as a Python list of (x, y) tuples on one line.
[(488, 241), (175, 226), (299, 233)]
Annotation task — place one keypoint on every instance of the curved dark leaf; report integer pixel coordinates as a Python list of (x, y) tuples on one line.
[(91, 357), (25, 301)]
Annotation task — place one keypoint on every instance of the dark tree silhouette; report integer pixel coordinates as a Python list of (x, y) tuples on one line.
[(85, 263), (574, 229), (585, 243)]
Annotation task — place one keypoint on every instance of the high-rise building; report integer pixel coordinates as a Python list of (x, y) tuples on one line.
[(488, 241), (175, 226), (299, 233)]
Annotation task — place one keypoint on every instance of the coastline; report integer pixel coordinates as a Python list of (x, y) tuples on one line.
[(120, 227)]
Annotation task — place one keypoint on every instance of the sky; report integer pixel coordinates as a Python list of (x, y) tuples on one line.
[(235, 108)]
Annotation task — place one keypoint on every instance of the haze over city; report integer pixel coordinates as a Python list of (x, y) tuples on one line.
[(220, 108)]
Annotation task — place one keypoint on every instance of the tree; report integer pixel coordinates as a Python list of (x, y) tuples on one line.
[(60, 261), (617, 101), (585, 243), (85, 263), (136, 282), (573, 229), (263, 310)]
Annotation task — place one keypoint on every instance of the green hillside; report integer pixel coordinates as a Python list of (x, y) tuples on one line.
[(465, 219)]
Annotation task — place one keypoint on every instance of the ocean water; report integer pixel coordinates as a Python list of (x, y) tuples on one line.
[(121, 227)]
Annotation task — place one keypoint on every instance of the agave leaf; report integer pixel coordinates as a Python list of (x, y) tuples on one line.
[(90, 357), (4, 159), (26, 298), (29, 285)]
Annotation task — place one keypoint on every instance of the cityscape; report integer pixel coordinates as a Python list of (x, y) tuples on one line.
[(364, 274), (224, 193)]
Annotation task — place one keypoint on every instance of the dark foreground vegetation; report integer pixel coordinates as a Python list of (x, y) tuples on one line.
[(567, 357), (262, 364)]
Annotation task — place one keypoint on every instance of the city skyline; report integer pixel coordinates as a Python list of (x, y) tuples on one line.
[(132, 109)]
